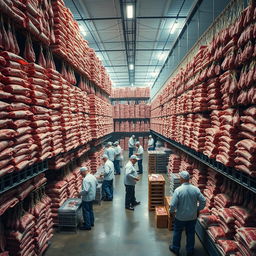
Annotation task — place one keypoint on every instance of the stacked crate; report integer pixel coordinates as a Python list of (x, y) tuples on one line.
[(161, 217), (157, 161), (156, 191)]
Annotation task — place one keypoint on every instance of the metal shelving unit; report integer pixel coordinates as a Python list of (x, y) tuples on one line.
[(206, 240), (130, 98), (131, 133), (239, 177), (132, 119), (15, 178)]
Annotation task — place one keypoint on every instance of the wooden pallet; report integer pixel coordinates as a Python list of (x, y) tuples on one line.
[(156, 190)]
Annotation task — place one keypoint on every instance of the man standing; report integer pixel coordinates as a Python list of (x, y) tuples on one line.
[(108, 174), (139, 154), (131, 145), (110, 152), (130, 179), (118, 152), (88, 194), (151, 143), (184, 208)]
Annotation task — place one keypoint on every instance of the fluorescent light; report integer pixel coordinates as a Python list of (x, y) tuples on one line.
[(174, 27), (153, 74), (82, 29), (131, 66), (161, 56), (129, 11)]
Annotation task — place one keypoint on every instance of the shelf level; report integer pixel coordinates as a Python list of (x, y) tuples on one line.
[(14, 179), (239, 177), (206, 241), (131, 119), (130, 98)]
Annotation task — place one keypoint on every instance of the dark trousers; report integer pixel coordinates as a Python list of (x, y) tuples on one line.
[(117, 166), (140, 166), (88, 214), (189, 227), (129, 196), (130, 152), (107, 189)]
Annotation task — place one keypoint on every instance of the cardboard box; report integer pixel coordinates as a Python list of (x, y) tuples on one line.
[(161, 217)]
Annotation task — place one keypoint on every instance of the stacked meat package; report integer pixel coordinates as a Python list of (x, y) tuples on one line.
[(141, 110), (128, 92), (209, 105), (101, 121)]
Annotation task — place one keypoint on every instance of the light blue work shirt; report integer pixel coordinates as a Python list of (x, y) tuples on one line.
[(89, 186), (108, 170), (118, 152), (130, 174), (131, 142), (110, 152), (139, 152), (185, 202)]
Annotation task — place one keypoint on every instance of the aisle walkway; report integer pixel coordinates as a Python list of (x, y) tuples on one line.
[(118, 231)]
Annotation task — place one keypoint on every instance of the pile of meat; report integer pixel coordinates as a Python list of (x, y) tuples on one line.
[(128, 92), (35, 16), (217, 81), (101, 121), (141, 110), (71, 47), (131, 126)]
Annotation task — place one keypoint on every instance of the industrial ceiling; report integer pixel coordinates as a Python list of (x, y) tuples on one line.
[(135, 38)]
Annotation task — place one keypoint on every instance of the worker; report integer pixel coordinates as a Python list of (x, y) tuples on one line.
[(110, 152), (131, 145), (88, 194), (185, 209), (130, 179), (139, 154), (151, 142), (108, 176), (118, 152)]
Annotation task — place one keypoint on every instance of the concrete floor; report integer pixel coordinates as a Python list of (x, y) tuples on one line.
[(118, 231)]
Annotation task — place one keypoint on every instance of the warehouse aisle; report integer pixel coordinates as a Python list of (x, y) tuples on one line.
[(118, 231)]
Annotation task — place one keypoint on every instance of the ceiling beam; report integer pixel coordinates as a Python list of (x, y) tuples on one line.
[(124, 66), (140, 17), (138, 50)]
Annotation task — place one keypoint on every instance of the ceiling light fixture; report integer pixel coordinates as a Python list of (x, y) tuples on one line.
[(82, 29), (154, 74), (129, 11), (174, 27), (161, 56), (131, 66)]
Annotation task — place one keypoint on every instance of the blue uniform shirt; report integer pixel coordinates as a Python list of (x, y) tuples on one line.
[(185, 202)]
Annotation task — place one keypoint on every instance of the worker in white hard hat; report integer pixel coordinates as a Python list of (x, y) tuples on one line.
[(151, 143), (130, 179), (118, 152), (88, 194), (186, 203), (108, 175), (131, 145), (139, 154), (110, 151)]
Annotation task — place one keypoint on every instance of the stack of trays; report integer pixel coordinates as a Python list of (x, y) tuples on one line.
[(174, 182), (70, 214)]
